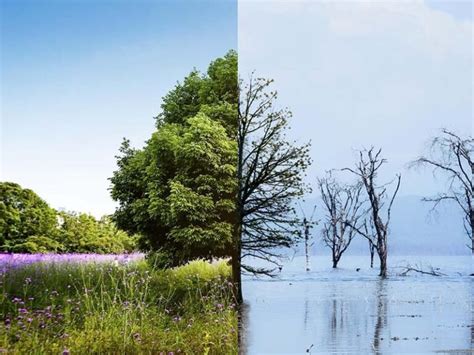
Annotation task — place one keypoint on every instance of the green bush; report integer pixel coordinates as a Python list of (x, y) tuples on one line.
[(38, 244), (159, 259), (82, 233)]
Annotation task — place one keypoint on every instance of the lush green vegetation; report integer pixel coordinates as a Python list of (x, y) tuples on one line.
[(28, 224), (179, 191), (127, 309), (23, 214), (176, 202)]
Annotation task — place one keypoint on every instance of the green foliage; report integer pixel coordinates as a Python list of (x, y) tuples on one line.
[(23, 214), (126, 309), (38, 244), (179, 190), (29, 225), (82, 233), (216, 90), (159, 259)]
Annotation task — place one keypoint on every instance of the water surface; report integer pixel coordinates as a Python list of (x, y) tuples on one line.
[(349, 311)]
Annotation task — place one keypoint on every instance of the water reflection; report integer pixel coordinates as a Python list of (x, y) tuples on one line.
[(242, 324), (381, 314), (306, 312), (472, 315), (326, 313)]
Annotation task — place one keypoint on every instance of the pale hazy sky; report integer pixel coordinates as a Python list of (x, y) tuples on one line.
[(77, 76), (355, 74)]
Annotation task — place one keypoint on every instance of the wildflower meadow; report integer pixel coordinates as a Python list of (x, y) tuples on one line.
[(78, 304)]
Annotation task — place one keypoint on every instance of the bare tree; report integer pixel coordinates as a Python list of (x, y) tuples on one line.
[(367, 170), (344, 209), (369, 240), (372, 254), (370, 232), (453, 156), (307, 225), (270, 177)]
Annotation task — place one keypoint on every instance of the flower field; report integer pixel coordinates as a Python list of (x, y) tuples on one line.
[(76, 304), (14, 260)]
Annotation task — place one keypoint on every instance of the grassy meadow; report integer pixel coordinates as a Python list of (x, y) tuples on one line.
[(80, 308)]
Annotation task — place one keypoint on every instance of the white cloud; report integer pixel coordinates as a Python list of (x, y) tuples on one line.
[(361, 73)]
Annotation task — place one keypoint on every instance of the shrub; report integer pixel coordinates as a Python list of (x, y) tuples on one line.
[(38, 244)]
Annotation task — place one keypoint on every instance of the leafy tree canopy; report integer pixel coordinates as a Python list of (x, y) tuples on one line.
[(28, 224), (23, 214), (178, 192)]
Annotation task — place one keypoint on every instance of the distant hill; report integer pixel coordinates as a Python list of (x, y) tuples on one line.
[(414, 230)]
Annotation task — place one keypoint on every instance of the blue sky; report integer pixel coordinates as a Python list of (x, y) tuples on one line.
[(361, 73), (77, 76)]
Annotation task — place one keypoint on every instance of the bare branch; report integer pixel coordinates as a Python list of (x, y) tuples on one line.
[(453, 156), (366, 169), (270, 172)]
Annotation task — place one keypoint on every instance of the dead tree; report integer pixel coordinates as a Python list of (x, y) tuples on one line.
[(369, 240), (343, 209), (366, 170), (270, 172), (453, 156), (432, 271), (307, 225)]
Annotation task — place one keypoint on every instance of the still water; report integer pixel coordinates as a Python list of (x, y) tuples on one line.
[(347, 311)]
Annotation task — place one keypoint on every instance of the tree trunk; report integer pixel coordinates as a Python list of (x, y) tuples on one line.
[(237, 279), (383, 262), (236, 265), (306, 243), (237, 247), (372, 252), (471, 215), (335, 260)]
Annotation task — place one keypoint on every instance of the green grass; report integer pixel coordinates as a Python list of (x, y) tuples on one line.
[(104, 308)]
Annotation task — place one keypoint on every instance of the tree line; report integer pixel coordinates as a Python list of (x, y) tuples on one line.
[(29, 225)]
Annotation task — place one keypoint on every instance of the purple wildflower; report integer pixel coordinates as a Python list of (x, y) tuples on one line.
[(12, 260)]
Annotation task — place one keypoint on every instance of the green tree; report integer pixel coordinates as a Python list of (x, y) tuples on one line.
[(83, 233), (23, 214), (178, 192), (38, 244)]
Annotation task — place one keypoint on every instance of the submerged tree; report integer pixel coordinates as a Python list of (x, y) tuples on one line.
[(343, 206), (308, 223), (453, 157), (270, 171), (369, 240), (367, 170)]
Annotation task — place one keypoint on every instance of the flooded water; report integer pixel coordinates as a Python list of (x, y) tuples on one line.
[(347, 311)]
